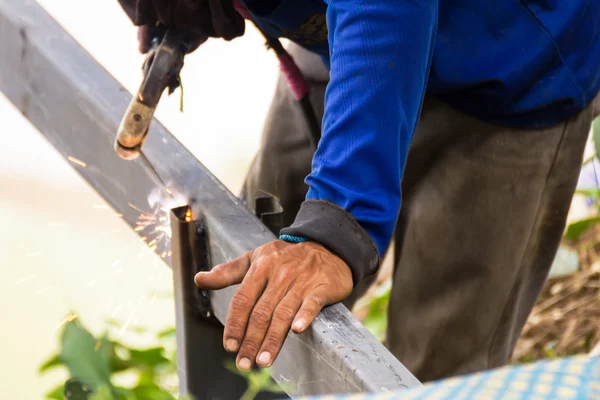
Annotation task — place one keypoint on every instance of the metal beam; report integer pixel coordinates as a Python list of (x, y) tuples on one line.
[(77, 106)]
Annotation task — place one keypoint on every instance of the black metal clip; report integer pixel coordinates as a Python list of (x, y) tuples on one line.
[(270, 212), (190, 255)]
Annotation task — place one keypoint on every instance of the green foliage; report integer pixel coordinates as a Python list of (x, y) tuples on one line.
[(93, 361), (86, 357), (166, 333), (376, 319), (151, 391), (578, 228), (596, 136), (258, 381), (51, 363), (75, 390), (57, 393), (103, 393)]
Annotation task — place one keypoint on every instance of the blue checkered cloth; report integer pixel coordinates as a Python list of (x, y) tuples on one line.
[(574, 378)]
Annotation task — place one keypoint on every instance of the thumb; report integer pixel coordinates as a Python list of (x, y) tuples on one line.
[(224, 275)]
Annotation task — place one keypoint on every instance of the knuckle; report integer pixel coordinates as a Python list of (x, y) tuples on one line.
[(250, 346), (315, 302), (286, 271), (261, 264), (260, 316), (284, 314), (240, 300), (234, 327), (272, 343)]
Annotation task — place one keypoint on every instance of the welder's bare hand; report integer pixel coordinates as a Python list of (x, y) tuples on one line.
[(283, 285)]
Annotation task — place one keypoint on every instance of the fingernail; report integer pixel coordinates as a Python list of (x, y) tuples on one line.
[(264, 358), (231, 345), (299, 325), (245, 364)]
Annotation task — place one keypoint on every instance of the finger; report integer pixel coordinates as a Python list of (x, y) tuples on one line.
[(311, 306), (144, 39), (259, 321), (241, 305), (280, 326), (224, 275)]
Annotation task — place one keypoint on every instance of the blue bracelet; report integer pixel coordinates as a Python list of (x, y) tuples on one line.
[(293, 239)]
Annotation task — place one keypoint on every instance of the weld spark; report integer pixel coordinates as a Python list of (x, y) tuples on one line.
[(77, 161), (69, 318)]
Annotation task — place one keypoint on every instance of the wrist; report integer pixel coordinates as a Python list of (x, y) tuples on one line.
[(336, 229)]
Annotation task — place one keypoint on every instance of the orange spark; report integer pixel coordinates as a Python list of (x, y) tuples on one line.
[(188, 215), (120, 215), (77, 161), (139, 228), (152, 242), (153, 248), (137, 209), (69, 318)]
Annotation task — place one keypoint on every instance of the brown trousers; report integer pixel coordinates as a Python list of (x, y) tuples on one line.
[(484, 209)]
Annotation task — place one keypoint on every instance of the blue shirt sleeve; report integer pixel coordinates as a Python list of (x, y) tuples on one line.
[(380, 55)]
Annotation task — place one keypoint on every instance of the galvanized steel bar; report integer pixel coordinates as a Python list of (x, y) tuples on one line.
[(77, 106)]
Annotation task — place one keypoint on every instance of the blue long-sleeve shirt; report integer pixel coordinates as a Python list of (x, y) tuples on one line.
[(524, 63)]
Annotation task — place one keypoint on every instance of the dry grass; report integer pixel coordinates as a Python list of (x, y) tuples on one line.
[(566, 318)]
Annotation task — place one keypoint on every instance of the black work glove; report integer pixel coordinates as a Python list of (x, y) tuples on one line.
[(201, 19)]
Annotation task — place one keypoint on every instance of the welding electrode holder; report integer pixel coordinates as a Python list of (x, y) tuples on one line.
[(161, 68), (190, 255)]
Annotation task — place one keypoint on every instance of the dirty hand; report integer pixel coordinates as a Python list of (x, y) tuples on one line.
[(283, 285)]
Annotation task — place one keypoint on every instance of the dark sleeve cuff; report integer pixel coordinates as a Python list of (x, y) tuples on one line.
[(335, 228)]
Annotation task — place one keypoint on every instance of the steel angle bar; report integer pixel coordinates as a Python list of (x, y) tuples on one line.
[(78, 106)]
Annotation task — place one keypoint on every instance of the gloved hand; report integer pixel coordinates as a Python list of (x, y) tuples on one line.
[(200, 18)]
